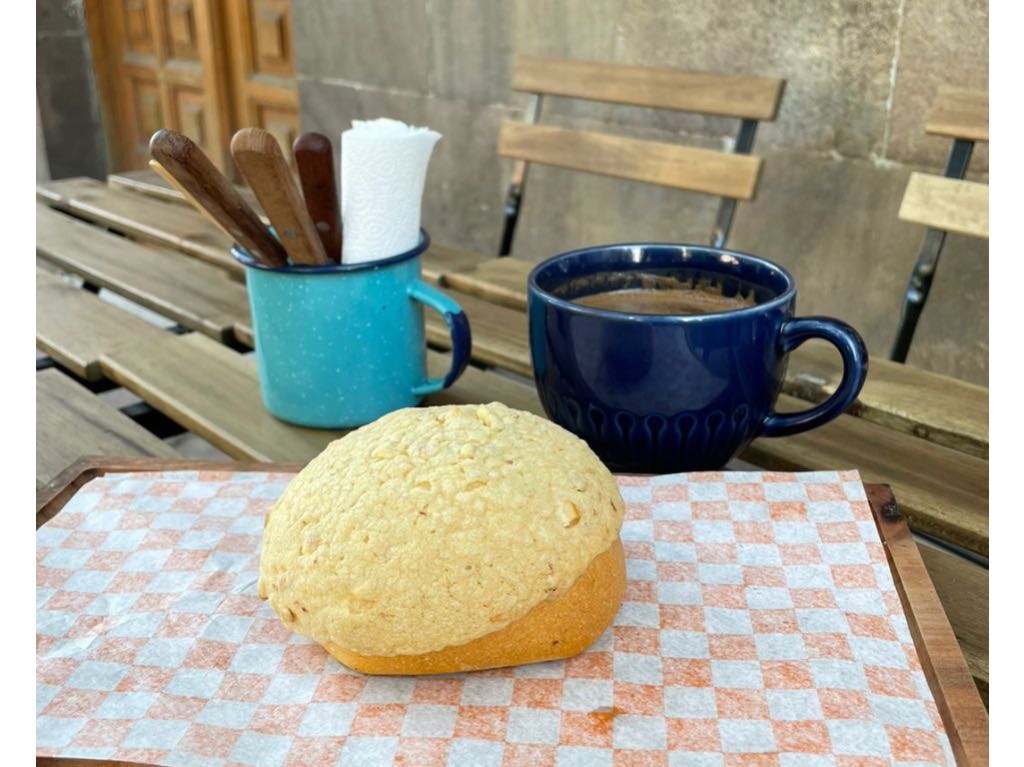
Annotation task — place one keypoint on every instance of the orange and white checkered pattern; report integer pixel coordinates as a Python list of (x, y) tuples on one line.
[(760, 627)]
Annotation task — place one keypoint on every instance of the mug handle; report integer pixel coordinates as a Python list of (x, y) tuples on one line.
[(458, 328), (855, 370)]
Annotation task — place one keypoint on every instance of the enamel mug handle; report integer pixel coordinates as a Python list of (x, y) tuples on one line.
[(458, 328), (855, 370)]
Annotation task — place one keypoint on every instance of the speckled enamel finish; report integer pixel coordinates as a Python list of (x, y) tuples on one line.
[(341, 345)]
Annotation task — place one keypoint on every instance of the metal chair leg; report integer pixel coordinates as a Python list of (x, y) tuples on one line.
[(927, 262), (917, 292), (513, 198), (726, 209)]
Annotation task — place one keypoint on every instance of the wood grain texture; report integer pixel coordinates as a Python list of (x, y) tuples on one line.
[(71, 422), (314, 159), (149, 183), (498, 280), (440, 260), (652, 162), (214, 392), (938, 408), (75, 326), (483, 386), (962, 587), (197, 175), (500, 336), (172, 182), (727, 95), (194, 294), (143, 218), (959, 113), (261, 161), (963, 713), (946, 203)]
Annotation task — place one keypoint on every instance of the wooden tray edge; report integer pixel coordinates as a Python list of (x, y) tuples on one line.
[(963, 714)]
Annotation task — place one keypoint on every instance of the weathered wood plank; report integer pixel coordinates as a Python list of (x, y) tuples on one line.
[(75, 327), (727, 95), (194, 294), (72, 422), (497, 281), (959, 113), (148, 182), (946, 203), (652, 162), (943, 410), (962, 587), (956, 696), (442, 260), (143, 218), (212, 391), (500, 336)]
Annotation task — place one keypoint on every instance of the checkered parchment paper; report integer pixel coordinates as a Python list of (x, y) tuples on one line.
[(760, 627)]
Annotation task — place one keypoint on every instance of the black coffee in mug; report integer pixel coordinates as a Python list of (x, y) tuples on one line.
[(653, 293)]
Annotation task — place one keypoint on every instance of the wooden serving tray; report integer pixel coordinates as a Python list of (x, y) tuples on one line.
[(963, 713)]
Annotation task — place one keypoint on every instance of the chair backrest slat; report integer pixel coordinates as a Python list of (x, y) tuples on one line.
[(946, 203), (744, 96), (654, 162), (959, 113)]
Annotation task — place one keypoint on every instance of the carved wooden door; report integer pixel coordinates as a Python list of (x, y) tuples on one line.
[(263, 67), (202, 67)]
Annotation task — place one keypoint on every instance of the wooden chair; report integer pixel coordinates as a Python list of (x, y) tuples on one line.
[(943, 203), (732, 176)]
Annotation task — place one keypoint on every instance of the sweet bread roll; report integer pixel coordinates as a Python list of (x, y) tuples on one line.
[(448, 539)]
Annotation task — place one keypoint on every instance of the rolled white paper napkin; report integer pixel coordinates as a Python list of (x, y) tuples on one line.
[(383, 169)]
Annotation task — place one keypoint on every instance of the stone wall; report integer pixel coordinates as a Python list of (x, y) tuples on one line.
[(66, 99), (860, 77)]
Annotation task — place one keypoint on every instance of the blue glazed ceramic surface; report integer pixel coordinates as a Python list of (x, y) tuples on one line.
[(340, 345), (656, 393)]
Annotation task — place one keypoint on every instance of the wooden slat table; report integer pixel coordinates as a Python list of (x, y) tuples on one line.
[(925, 435), (71, 422)]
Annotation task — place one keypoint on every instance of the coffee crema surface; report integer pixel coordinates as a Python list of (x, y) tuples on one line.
[(703, 299)]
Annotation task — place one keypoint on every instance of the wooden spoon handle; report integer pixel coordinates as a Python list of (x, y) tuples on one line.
[(259, 157), (185, 161), (175, 184), (315, 161)]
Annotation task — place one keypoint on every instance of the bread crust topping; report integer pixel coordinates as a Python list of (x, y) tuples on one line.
[(432, 527)]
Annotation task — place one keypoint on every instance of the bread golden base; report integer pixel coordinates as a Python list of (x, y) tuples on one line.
[(554, 629)]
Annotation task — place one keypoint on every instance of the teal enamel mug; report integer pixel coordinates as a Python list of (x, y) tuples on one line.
[(340, 345)]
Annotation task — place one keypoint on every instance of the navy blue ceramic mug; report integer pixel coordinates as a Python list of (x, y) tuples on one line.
[(659, 393)]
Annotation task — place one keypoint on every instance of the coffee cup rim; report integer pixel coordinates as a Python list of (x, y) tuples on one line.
[(682, 248)]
